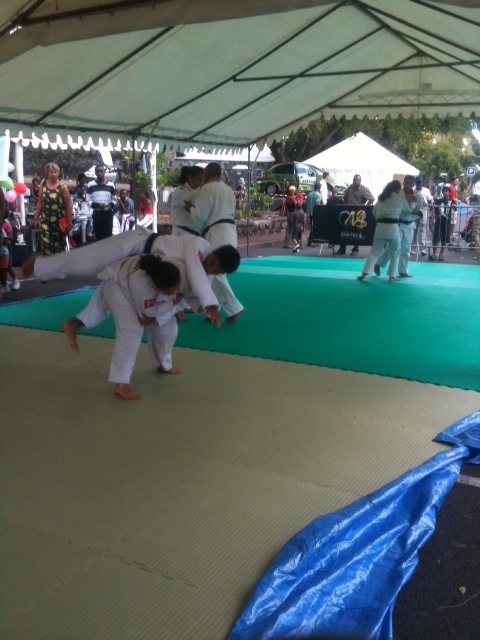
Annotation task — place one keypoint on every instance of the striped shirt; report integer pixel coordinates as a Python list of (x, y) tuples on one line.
[(101, 196)]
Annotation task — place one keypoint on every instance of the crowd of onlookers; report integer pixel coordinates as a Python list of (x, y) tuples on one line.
[(439, 210)]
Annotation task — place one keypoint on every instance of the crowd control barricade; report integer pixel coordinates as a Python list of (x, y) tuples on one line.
[(343, 223)]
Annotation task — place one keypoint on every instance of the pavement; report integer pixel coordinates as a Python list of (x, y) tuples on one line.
[(431, 605)]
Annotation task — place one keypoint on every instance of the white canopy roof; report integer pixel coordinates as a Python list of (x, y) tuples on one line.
[(360, 154), (217, 74)]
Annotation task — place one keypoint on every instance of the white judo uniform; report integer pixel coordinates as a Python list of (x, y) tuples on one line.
[(214, 211), (183, 223), (406, 229), (93, 258), (387, 235), (128, 293)]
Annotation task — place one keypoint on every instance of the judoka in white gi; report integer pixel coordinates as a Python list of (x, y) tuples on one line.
[(139, 292), (191, 179), (387, 213), (214, 212), (201, 261), (406, 228)]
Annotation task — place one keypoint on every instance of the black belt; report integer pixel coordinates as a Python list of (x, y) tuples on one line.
[(405, 221), (194, 233), (149, 243), (388, 220), (221, 221)]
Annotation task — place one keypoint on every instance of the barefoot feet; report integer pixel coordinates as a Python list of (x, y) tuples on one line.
[(174, 371), (126, 392), (70, 329), (392, 279), (376, 269)]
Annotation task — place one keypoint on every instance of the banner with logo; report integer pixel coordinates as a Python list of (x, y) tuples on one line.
[(343, 223)]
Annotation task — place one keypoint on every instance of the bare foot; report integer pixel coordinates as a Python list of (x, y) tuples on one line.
[(27, 267), (126, 392), (376, 269), (70, 328), (392, 279), (362, 277), (180, 316), (174, 371), (232, 319)]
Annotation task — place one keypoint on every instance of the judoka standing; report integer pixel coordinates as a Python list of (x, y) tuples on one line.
[(136, 291), (214, 211), (406, 227)]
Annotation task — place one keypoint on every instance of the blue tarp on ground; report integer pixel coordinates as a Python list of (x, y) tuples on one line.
[(340, 576)]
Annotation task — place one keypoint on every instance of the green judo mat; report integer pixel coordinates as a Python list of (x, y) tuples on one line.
[(314, 311)]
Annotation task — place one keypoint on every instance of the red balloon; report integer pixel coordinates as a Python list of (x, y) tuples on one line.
[(20, 188)]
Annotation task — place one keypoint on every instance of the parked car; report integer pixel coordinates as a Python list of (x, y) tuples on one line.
[(279, 177)]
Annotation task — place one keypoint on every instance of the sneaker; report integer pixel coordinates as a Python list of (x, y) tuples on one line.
[(353, 252), (5, 289), (16, 284), (424, 253), (340, 252)]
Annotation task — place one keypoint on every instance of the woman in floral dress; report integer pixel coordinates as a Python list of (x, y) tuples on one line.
[(53, 205)]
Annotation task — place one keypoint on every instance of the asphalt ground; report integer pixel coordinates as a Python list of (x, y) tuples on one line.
[(431, 605)]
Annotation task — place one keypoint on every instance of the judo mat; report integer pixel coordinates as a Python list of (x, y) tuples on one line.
[(157, 519), (315, 312)]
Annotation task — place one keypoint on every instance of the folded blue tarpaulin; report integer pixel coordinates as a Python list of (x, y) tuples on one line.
[(340, 576)]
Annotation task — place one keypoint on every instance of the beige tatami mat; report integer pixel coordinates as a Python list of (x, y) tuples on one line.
[(156, 519)]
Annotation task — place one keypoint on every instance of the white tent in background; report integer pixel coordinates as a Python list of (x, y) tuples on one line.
[(360, 154)]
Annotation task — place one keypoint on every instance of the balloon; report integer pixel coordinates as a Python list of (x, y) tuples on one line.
[(10, 167), (7, 184), (11, 196), (20, 188)]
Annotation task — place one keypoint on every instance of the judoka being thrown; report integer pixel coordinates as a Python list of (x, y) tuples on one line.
[(139, 292)]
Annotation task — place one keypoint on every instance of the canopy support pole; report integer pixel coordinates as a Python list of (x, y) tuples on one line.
[(249, 183)]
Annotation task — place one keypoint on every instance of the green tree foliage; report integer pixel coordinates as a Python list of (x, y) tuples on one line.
[(71, 161), (434, 145)]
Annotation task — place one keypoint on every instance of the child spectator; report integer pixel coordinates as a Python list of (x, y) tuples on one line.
[(7, 243), (297, 220)]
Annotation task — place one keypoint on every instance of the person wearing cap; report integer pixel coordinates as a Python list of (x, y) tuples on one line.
[(421, 224)]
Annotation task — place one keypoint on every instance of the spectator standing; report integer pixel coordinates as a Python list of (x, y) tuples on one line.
[(289, 207), (421, 223), (54, 204), (324, 187), (297, 218), (34, 192), (334, 198), (355, 194), (8, 242), (102, 199), (475, 202), (454, 198), (314, 198), (4, 257), (441, 229)]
